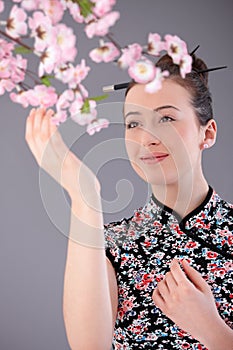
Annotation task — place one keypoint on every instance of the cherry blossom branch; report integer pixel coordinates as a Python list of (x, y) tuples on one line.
[(54, 43)]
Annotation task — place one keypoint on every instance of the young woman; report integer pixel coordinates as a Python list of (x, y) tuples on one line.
[(164, 280)]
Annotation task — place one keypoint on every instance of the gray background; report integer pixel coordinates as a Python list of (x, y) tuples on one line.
[(32, 243)]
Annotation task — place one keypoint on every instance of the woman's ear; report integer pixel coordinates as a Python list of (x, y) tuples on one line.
[(209, 134)]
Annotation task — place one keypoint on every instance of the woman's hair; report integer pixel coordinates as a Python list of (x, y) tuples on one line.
[(196, 83)]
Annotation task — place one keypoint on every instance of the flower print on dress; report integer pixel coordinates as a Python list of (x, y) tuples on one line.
[(141, 265)]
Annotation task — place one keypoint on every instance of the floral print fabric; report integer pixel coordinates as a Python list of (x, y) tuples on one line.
[(141, 249)]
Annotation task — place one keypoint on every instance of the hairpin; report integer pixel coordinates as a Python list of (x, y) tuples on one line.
[(120, 86)]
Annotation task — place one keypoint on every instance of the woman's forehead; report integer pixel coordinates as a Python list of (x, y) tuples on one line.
[(171, 93)]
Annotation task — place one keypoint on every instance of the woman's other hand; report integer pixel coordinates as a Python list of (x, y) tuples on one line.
[(186, 298)]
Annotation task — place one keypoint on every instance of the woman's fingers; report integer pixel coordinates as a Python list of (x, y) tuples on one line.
[(158, 299), (170, 281), (195, 277)]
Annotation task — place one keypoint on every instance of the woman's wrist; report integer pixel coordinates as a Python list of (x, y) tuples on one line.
[(219, 336)]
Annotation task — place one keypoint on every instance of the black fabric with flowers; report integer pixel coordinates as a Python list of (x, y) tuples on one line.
[(141, 249)]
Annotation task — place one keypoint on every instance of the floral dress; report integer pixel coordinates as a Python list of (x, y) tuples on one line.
[(141, 249)]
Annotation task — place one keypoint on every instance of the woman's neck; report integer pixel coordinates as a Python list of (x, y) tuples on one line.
[(182, 197)]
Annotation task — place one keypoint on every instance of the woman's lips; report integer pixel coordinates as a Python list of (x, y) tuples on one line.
[(154, 157)]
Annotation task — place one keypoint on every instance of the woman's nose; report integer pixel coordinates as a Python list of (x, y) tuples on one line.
[(149, 138)]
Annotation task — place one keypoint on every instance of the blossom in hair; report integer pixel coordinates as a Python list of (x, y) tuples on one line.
[(185, 65), (130, 54), (97, 125), (176, 48), (156, 83), (101, 27), (107, 52), (16, 24), (155, 44), (142, 71)]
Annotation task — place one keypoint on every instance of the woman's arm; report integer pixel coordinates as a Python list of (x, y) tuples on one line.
[(89, 286), (187, 300)]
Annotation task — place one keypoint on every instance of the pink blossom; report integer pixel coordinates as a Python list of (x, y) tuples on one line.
[(97, 125), (83, 118), (6, 85), (155, 45), (5, 71), (18, 68), (185, 65), (142, 71), (1, 6), (74, 10), (5, 49), (65, 99), (156, 83), (79, 73), (59, 117), (41, 30), (53, 9), (42, 95), (130, 54), (64, 72), (103, 6), (16, 25), (101, 27), (176, 48), (76, 105), (20, 97), (66, 40), (49, 60), (31, 5), (107, 52)]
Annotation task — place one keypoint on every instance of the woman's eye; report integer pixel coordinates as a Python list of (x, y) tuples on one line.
[(131, 125), (166, 118)]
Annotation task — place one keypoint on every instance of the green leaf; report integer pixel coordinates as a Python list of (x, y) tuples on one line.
[(22, 50), (46, 80), (98, 98), (86, 107)]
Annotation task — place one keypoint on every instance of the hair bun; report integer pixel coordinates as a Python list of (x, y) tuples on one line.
[(199, 65)]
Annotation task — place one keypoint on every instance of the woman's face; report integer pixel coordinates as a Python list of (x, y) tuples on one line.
[(162, 134)]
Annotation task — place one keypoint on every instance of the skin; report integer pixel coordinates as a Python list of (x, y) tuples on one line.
[(180, 289), (175, 131), (178, 182)]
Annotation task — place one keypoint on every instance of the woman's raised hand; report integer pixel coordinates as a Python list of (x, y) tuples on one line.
[(52, 154)]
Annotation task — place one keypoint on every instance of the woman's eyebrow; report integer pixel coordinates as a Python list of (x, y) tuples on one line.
[(155, 110), (165, 107), (133, 113)]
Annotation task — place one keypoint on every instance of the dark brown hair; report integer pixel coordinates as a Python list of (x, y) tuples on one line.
[(196, 83)]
